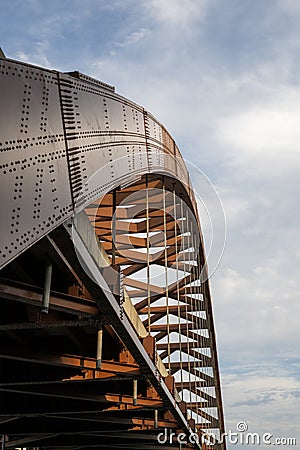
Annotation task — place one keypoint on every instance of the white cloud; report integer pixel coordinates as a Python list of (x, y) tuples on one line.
[(289, 6), (177, 12), (264, 138), (236, 206), (37, 56), (257, 398), (258, 307), (134, 37)]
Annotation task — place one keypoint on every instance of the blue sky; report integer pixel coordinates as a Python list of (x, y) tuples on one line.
[(223, 77)]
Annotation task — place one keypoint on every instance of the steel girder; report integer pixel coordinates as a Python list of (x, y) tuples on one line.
[(57, 131), (70, 145)]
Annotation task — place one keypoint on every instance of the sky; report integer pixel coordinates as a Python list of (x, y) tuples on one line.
[(223, 76)]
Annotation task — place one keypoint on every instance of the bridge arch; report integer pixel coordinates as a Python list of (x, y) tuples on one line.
[(95, 188)]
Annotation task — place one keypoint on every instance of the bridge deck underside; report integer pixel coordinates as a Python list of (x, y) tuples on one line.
[(52, 394)]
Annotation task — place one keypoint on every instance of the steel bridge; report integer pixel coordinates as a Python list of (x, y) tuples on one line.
[(106, 329)]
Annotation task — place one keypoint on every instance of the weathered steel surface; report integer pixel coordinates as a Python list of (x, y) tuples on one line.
[(56, 132)]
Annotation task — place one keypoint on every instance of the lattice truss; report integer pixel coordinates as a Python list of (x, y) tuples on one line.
[(151, 232)]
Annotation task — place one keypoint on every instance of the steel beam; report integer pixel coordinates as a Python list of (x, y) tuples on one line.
[(19, 292)]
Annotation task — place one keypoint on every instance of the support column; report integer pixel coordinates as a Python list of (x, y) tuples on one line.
[(47, 287), (148, 256), (99, 348), (134, 392), (155, 418)]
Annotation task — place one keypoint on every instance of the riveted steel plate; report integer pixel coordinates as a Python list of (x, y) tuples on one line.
[(35, 193), (64, 142)]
